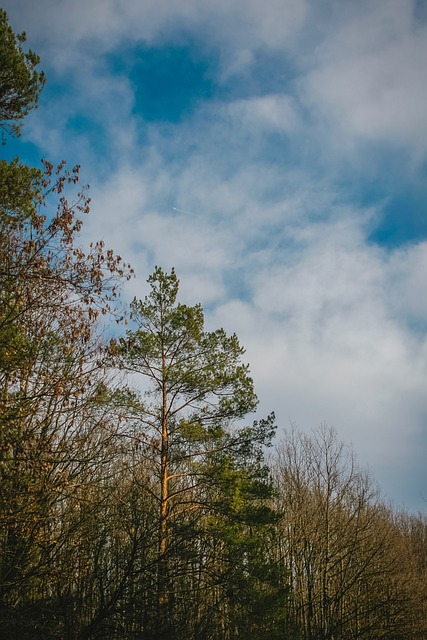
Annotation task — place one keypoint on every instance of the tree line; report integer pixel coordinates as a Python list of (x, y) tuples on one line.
[(137, 497)]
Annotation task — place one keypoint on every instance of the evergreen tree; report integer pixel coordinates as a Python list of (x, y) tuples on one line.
[(20, 81), (198, 391)]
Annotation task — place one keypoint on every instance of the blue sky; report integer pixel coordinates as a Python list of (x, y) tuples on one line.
[(274, 153)]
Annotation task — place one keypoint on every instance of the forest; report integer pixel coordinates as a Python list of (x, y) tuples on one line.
[(138, 498)]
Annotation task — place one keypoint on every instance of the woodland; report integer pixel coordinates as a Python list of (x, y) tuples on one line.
[(138, 499)]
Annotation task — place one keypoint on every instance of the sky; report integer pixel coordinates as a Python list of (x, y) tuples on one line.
[(275, 153)]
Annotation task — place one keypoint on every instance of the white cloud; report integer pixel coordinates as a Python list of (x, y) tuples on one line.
[(368, 78), (277, 113), (325, 316), (325, 346), (324, 322), (333, 325), (359, 68), (406, 274), (101, 25)]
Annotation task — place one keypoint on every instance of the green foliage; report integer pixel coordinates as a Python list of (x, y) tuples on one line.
[(20, 82), (200, 371), (20, 191)]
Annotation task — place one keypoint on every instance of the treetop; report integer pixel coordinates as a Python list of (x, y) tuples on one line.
[(20, 82)]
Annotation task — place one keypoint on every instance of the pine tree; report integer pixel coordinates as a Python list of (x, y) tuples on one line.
[(189, 420)]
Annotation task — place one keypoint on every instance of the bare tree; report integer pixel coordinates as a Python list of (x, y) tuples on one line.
[(336, 541)]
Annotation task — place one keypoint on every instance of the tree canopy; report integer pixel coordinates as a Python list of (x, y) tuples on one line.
[(20, 81)]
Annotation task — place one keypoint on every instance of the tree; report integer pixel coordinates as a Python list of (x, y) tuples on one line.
[(243, 593), (20, 82), (339, 545), (54, 434), (198, 390)]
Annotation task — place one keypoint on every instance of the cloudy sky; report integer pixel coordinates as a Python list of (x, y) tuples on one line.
[(275, 153)]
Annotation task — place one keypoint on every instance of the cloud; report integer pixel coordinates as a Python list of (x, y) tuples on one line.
[(324, 320), (357, 73), (276, 177), (275, 113), (102, 25), (368, 78), (406, 278), (325, 345)]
